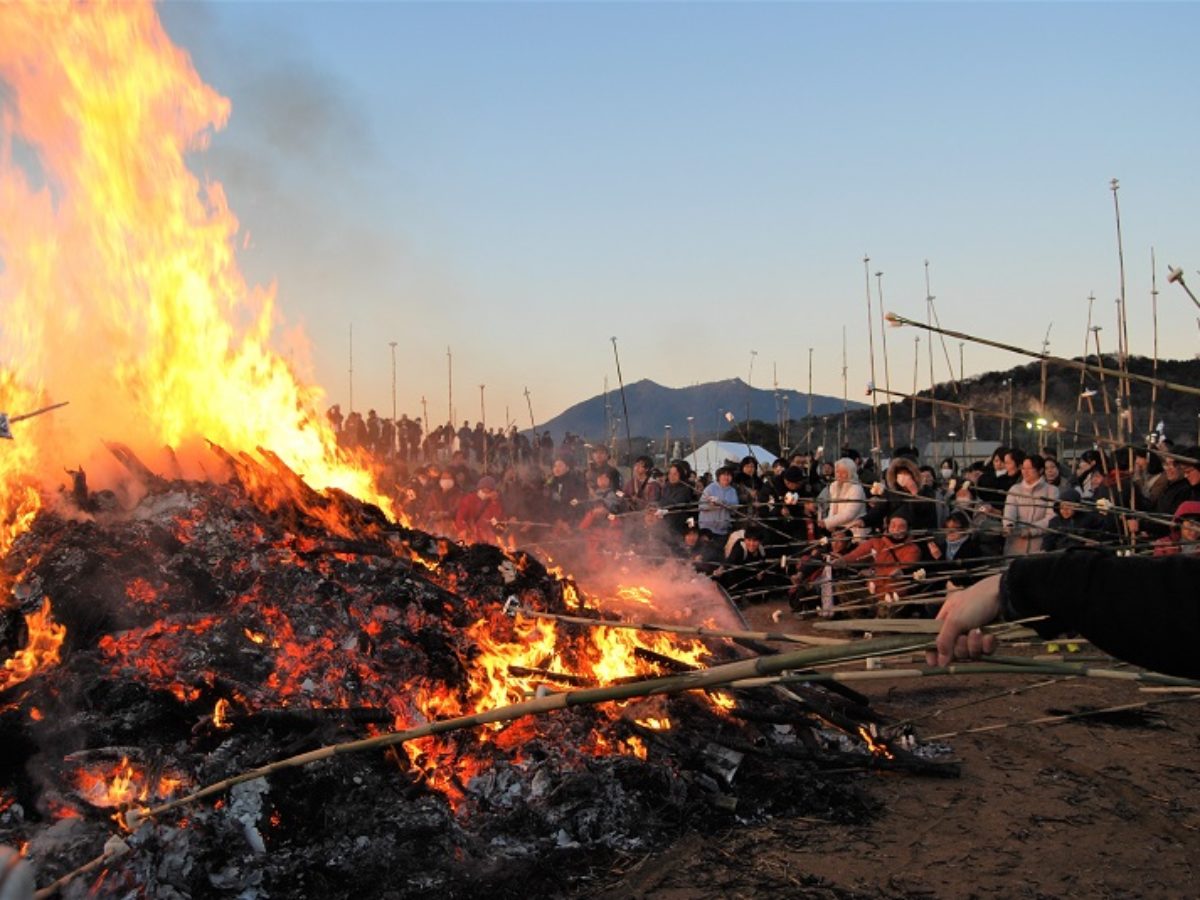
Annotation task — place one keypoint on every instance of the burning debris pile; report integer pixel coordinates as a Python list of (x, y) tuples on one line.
[(214, 628)]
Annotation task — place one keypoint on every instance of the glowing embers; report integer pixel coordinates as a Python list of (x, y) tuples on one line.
[(41, 650), (151, 653)]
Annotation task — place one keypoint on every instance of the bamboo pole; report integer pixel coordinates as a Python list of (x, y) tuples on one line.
[(932, 380), (1083, 372), (898, 320), (1054, 720), (912, 422), (995, 666), (1150, 429), (672, 684), (875, 440), (887, 369), (697, 630)]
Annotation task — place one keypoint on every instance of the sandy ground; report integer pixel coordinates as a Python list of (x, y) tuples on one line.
[(1099, 807)]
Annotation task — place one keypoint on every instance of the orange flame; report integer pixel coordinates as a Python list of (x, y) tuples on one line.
[(115, 254), (123, 784), (655, 724), (41, 651), (876, 748)]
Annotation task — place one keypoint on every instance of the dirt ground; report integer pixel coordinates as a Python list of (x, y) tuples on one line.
[(1093, 807)]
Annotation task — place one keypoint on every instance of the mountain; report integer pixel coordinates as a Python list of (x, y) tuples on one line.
[(652, 407)]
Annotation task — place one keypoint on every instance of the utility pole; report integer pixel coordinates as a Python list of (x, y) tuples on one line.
[(845, 397), (449, 385), (625, 406), (1045, 352), (351, 367), (875, 441), (750, 388), (932, 380), (483, 422), (887, 370), (392, 344), (529, 403)]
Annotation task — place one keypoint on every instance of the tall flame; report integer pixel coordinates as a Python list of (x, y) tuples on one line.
[(118, 274)]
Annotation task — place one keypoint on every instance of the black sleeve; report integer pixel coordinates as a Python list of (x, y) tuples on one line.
[(1140, 609)]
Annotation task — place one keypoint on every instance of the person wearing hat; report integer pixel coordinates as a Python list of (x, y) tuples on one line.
[(1185, 532), (746, 566), (1072, 525), (845, 502), (479, 512)]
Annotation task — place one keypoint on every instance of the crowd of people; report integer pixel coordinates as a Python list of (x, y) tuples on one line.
[(830, 535)]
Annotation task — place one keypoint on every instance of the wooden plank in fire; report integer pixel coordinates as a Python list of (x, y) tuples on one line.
[(126, 457)]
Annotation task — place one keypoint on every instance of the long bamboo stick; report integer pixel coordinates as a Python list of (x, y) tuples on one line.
[(671, 684), (1054, 720), (898, 320), (697, 630)]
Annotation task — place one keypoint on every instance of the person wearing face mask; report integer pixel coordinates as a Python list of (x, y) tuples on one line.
[(902, 494), (956, 553), (441, 503), (948, 470), (479, 512)]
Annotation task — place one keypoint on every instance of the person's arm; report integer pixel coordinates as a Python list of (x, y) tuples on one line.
[(1143, 610)]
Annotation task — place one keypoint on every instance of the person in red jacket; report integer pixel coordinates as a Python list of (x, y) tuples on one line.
[(1185, 532), (888, 556), (479, 512)]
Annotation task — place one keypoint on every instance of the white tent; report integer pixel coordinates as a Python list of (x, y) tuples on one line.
[(711, 456)]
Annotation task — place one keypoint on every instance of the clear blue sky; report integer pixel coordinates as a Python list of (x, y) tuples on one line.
[(522, 182)]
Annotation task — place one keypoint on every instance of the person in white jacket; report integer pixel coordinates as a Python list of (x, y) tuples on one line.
[(1028, 509), (847, 501)]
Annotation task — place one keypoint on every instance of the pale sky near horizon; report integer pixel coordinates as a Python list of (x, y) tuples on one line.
[(523, 181)]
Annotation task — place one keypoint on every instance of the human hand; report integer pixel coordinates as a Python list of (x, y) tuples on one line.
[(962, 616)]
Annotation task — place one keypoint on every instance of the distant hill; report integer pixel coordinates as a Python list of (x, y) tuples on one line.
[(652, 407)]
